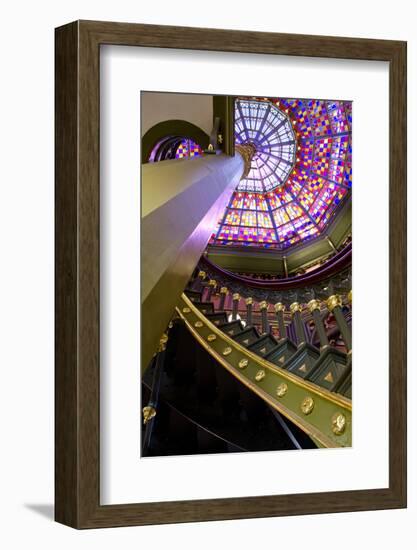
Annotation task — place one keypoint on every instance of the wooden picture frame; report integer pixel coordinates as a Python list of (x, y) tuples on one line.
[(77, 372)]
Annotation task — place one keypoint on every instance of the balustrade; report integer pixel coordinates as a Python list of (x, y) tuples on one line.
[(223, 293), (279, 310), (295, 309), (253, 352), (314, 308), (249, 307), (263, 306), (235, 307), (198, 281), (210, 289), (310, 312), (334, 305)]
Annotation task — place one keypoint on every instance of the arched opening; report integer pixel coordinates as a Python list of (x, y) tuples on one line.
[(164, 140), (175, 147)]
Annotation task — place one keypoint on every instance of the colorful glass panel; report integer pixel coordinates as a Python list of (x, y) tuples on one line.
[(261, 203), (281, 217), (237, 201), (232, 217), (266, 236), (276, 207), (319, 118), (188, 149), (248, 218), (249, 202), (337, 117), (264, 219)]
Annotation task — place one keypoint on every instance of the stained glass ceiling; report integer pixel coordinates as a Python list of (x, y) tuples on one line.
[(270, 131), (300, 174)]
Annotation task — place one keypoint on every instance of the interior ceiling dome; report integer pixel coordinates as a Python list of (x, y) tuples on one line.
[(270, 132), (300, 174)]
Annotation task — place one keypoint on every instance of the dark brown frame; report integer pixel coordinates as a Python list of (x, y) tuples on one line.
[(77, 274)]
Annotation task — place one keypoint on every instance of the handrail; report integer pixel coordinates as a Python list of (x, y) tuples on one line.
[(336, 264), (325, 416)]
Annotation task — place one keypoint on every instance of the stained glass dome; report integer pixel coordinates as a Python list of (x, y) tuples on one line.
[(300, 174), (269, 130)]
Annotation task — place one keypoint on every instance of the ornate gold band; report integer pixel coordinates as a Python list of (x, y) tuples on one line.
[(295, 306), (313, 304), (333, 302)]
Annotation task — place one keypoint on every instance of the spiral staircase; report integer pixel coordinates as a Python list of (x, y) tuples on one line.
[(233, 375)]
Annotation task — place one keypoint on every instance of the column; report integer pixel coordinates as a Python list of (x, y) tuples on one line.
[(334, 305), (249, 306), (295, 309), (181, 203), (314, 307), (279, 310), (198, 282), (223, 294), (235, 307), (263, 306), (211, 287)]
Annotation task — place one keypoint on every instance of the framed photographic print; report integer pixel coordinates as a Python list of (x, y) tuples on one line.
[(219, 194)]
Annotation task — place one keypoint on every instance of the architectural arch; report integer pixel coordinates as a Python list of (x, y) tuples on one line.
[(174, 129)]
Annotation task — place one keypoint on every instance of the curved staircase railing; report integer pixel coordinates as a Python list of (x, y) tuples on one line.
[(326, 416)]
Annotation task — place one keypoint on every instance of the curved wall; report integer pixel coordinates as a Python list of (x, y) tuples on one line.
[(341, 261), (159, 106)]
